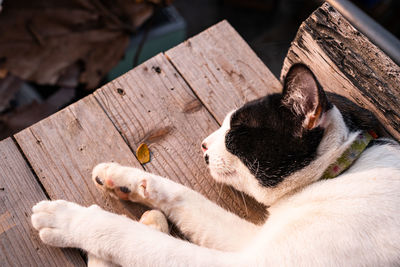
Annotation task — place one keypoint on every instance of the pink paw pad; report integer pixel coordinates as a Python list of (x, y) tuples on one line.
[(123, 192)]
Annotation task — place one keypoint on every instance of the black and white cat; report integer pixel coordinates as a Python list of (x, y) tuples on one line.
[(276, 149)]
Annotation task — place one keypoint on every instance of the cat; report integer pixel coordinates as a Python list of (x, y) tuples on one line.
[(296, 153)]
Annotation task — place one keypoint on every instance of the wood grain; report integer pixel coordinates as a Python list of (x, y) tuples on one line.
[(19, 191), (222, 69), (64, 148), (347, 63), (152, 104)]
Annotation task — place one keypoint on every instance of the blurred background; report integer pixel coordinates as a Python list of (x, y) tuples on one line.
[(54, 52)]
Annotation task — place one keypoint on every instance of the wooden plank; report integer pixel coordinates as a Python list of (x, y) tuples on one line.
[(64, 148), (347, 63), (19, 191), (222, 69), (152, 104)]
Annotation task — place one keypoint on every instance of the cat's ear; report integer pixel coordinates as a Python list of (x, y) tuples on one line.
[(303, 95)]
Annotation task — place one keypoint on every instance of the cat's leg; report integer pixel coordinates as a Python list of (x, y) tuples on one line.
[(152, 218), (118, 239), (94, 261), (201, 220)]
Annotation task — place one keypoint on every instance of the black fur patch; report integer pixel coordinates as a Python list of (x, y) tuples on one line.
[(357, 118), (381, 142), (261, 136), (264, 133), (354, 116)]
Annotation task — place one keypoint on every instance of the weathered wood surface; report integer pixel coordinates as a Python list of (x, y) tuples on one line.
[(172, 102), (64, 148), (19, 191), (152, 104), (222, 70), (347, 63)]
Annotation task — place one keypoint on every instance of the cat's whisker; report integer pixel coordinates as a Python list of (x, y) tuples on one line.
[(244, 202), (239, 198), (220, 192)]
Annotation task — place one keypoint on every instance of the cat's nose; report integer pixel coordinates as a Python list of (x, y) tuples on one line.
[(204, 146)]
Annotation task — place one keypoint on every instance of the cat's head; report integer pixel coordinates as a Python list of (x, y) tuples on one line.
[(269, 140)]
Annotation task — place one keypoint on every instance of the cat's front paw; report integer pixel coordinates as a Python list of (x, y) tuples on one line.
[(121, 182), (156, 220), (55, 221)]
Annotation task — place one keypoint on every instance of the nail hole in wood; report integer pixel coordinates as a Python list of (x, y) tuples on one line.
[(156, 69), (120, 91)]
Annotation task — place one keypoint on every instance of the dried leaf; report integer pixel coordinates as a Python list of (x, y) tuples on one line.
[(47, 37), (143, 153)]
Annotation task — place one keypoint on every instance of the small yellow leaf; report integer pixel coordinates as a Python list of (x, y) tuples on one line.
[(143, 153)]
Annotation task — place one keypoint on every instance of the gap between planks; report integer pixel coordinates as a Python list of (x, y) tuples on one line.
[(19, 242), (190, 87), (128, 110), (30, 167), (120, 133), (198, 98)]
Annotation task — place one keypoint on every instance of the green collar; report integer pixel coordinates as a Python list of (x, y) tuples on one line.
[(350, 155)]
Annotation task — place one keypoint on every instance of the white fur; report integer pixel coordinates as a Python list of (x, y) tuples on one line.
[(351, 220)]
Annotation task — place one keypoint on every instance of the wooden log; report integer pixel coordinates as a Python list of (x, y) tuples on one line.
[(222, 69), (64, 148), (347, 63), (152, 104), (19, 191)]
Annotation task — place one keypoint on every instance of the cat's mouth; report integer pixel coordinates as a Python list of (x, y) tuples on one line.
[(221, 175), (218, 166), (207, 159)]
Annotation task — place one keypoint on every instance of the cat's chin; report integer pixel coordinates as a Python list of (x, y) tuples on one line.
[(222, 175)]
